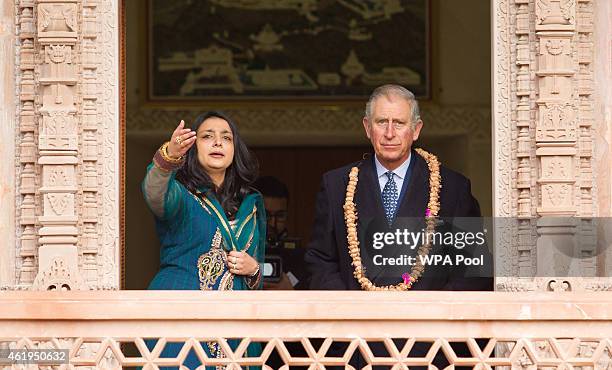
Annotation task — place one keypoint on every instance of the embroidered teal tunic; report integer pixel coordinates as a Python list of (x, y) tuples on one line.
[(195, 237)]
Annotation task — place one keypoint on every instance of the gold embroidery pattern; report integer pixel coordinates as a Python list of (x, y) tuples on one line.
[(227, 281), (212, 263), (221, 219), (207, 205), (215, 350)]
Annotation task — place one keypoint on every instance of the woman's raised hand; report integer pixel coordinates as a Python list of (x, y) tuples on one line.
[(182, 139)]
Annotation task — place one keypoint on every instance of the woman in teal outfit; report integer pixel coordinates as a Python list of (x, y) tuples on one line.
[(210, 222)]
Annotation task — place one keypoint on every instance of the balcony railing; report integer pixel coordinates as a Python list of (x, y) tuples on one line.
[(105, 329)]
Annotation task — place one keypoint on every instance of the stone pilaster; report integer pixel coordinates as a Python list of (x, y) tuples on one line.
[(58, 147), (544, 50), (8, 142), (90, 121), (27, 151)]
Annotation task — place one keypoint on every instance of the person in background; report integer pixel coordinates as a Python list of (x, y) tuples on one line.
[(276, 200), (280, 243)]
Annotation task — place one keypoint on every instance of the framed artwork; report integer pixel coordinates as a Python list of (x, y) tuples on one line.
[(277, 49)]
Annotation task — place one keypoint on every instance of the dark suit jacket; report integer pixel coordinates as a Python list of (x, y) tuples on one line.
[(327, 256)]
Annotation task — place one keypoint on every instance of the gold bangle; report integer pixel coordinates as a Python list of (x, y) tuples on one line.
[(164, 153), (255, 273), (253, 280)]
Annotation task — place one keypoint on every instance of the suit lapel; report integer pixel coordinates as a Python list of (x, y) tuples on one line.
[(416, 195), (368, 199)]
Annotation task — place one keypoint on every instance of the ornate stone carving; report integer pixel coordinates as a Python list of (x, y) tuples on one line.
[(58, 131), (58, 54), (68, 117), (58, 145), (512, 284), (543, 94), (59, 203), (556, 135), (557, 179), (543, 137), (438, 120), (100, 29), (59, 276), (557, 123), (56, 19), (28, 172), (504, 16), (89, 173), (555, 12), (557, 196), (599, 285)]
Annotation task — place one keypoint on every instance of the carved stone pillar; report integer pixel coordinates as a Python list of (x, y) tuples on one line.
[(8, 126), (28, 170), (556, 138), (68, 95), (57, 35), (90, 121), (544, 178)]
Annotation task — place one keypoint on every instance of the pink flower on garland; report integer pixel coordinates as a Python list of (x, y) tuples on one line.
[(406, 277), (427, 212)]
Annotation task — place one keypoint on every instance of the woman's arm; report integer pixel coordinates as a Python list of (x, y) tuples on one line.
[(162, 192)]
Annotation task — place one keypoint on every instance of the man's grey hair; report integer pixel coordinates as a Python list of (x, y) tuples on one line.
[(394, 90)]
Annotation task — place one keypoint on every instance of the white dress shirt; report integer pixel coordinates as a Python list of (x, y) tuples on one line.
[(398, 174)]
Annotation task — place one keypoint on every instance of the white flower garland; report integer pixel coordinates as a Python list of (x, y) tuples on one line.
[(350, 218)]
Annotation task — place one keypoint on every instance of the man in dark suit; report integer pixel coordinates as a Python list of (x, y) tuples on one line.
[(392, 193)]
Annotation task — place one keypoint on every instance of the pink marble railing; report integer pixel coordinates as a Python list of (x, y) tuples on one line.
[(107, 329)]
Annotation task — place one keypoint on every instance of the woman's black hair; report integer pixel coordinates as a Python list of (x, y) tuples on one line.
[(238, 176)]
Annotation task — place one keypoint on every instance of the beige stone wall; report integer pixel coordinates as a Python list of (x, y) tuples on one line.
[(7, 142), (603, 121), (602, 68)]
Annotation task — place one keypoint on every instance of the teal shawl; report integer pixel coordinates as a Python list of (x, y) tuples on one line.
[(246, 235), (195, 237)]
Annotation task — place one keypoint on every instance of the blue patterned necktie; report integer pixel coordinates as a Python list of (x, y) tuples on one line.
[(389, 196)]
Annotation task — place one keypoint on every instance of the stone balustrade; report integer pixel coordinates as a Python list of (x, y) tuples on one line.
[(107, 329)]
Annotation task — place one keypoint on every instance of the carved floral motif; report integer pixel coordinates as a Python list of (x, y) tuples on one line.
[(59, 203), (58, 54), (555, 11), (59, 276), (57, 17)]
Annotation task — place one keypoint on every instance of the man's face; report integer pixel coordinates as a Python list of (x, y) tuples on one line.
[(276, 211), (390, 130)]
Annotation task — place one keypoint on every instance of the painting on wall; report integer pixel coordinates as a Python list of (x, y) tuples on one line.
[(322, 49)]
